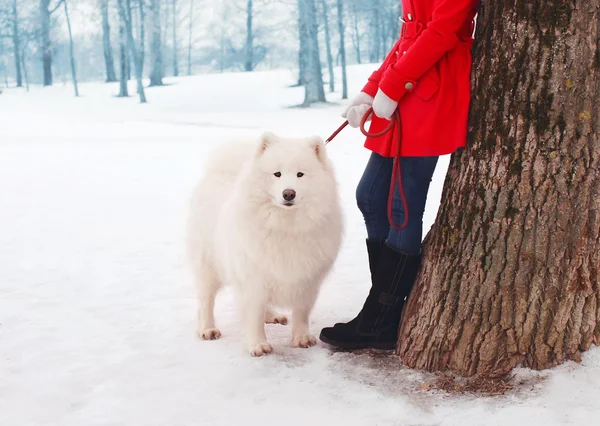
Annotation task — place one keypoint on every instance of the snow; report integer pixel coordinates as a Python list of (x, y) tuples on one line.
[(97, 306)]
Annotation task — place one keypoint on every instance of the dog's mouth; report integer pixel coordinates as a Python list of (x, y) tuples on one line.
[(288, 204)]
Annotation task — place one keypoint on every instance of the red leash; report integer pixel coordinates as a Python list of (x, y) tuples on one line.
[(396, 170)]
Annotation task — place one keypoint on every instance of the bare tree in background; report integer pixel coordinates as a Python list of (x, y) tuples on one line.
[(108, 51), (2, 63), (156, 73), (325, 15), (313, 76), (46, 43), (16, 44), (138, 59), (249, 47), (342, 30), (123, 55), (356, 33), (376, 32), (175, 46), (71, 50), (24, 64), (141, 21), (191, 17)]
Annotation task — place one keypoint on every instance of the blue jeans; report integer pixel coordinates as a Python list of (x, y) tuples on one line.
[(372, 198)]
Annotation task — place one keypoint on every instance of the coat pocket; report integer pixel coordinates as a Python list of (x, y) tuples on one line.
[(427, 86)]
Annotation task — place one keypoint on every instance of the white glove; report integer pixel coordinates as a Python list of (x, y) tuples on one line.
[(360, 99), (356, 114), (384, 106)]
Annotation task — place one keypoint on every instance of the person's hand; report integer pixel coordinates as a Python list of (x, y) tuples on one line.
[(361, 99), (383, 105), (356, 114)]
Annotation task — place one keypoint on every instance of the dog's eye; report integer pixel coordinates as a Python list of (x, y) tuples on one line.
[(277, 174), (300, 174)]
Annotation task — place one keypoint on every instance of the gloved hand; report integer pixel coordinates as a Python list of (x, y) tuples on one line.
[(383, 105), (360, 99), (356, 114)]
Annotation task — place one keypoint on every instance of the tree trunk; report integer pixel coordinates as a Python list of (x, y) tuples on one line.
[(138, 60), (328, 45), (302, 52), (313, 76), (175, 57), (46, 44), (16, 44), (189, 64), (108, 51), (356, 37), (156, 74), (342, 30), (375, 31), (142, 37), (511, 271), (24, 68), (2, 63), (123, 56), (71, 50), (249, 47)]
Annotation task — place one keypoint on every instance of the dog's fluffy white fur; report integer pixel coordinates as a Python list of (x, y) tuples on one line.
[(276, 252)]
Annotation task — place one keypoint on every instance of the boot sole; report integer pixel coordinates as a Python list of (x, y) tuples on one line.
[(356, 345)]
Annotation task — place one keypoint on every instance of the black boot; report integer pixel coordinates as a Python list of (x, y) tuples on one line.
[(374, 249), (377, 324)]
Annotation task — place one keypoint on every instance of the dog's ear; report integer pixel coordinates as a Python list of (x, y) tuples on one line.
[(318, 146), (266, 140)]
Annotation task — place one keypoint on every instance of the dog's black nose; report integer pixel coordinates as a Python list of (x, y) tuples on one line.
[(289, 194)]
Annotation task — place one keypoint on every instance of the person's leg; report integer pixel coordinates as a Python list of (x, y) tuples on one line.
[(372, 196), (397, 266), (417, 173)]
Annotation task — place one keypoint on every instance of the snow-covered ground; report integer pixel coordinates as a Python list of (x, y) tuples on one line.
[(96, 303)]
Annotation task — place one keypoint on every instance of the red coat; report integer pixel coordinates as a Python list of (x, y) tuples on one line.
[(429, 72)]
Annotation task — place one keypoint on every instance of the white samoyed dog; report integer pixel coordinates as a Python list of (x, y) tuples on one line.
[(265, 218)]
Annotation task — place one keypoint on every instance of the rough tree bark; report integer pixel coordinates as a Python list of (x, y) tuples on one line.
[(325, 11), (156, 73), (109, 62), (313, 75), (71, 50), (16, 44), (511, 271), (342, 30)]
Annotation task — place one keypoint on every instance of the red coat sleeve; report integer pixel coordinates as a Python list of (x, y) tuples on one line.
[(439, 37), (373, 84)]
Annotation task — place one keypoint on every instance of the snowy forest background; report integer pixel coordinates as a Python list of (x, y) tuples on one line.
[(45, 42)]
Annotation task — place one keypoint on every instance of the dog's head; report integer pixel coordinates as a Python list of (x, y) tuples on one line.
[(294, 173)]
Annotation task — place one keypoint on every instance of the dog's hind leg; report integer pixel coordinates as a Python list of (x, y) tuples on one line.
[(273, 317), (207, 285)]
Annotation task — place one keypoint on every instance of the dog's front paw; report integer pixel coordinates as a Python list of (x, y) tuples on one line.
[(209, 334), (304, 341), (260, 349)]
